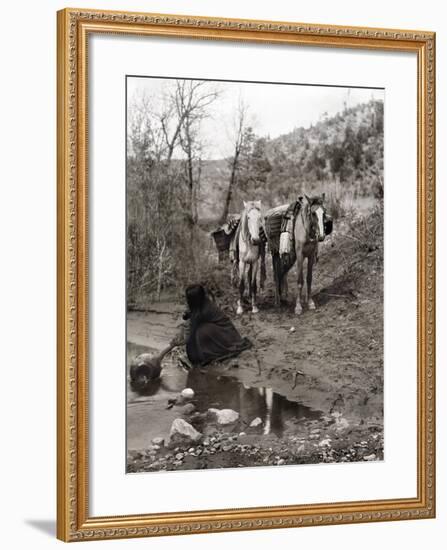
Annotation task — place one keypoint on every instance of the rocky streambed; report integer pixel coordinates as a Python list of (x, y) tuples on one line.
[(211, 439)]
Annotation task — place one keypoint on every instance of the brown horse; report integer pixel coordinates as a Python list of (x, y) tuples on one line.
[(308, 231)]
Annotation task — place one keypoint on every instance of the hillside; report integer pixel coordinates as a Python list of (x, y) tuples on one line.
[(341, 155)]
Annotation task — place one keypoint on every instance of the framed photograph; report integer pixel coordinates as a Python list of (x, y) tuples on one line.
[(246, 267)]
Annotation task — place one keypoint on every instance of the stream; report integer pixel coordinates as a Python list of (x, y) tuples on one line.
[(150, 414)]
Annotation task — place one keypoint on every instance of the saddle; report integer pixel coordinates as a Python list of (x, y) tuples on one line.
[(225, 236), (279, 224)]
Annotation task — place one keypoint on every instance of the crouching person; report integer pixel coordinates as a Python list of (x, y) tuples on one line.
[(210, 335)]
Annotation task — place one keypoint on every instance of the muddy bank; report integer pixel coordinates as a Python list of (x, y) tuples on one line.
[(314, 381)]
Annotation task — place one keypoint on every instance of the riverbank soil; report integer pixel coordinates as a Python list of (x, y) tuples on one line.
[(310, 390)]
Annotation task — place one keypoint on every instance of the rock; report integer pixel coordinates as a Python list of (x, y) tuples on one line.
[(281, 461), (182, 432), (315, 431), (227, 447), (300, 449), (179, 456), (314, 436), (292, 329), (187, 393), (224, 416), (158, 441), (134, 455), (242, 434), (325, 442), (256, 422), (370, 457), (341, 424), (189, 408)]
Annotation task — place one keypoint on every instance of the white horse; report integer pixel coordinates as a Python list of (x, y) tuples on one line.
[(249, 251)]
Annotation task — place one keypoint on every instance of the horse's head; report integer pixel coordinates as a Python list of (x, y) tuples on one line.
[(254, 220), (316, 216)]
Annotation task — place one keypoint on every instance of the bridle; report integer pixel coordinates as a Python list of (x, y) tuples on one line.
[(312, 221)]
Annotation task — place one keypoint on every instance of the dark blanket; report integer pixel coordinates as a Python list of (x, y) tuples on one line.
[(213, 336)]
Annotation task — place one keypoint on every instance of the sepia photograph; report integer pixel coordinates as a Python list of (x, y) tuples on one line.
[(254, 274)]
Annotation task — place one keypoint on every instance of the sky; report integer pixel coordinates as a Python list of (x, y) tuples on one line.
[(273, 109)]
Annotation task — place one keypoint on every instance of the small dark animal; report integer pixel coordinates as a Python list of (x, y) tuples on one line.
[(146, 368)]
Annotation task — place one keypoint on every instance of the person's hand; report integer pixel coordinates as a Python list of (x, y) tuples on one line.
[(186, 315)]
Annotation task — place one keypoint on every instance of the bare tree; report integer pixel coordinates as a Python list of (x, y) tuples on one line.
[(192, 100), (150, 200), (243, 137)]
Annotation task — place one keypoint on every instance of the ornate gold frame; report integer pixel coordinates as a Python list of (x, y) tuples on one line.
[(74, 521)]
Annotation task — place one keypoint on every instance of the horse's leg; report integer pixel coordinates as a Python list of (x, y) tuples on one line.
[(310, 265), (254, 287), (299, 267), (242, 265), (233, 273), (277, 278), (249, 279), (285, 287), (263, 272)]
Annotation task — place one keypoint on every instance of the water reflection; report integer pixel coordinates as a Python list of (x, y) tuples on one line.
[(278, 414)]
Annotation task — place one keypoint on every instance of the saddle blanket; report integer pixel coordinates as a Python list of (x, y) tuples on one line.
[(279, 226), (224, 236)]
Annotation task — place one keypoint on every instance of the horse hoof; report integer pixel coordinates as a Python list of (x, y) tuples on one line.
[(255, 310), (239, 311), (312, 305), (298, 311)]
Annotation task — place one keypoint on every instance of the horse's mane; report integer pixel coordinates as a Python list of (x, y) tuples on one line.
[(243, 225), (318, 199)]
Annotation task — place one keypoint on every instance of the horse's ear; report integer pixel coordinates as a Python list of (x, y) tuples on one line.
[(258, 204), (245, 204), (307, 198)]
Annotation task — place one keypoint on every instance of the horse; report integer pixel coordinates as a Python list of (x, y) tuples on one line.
[(308, 232), (249, 248)]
